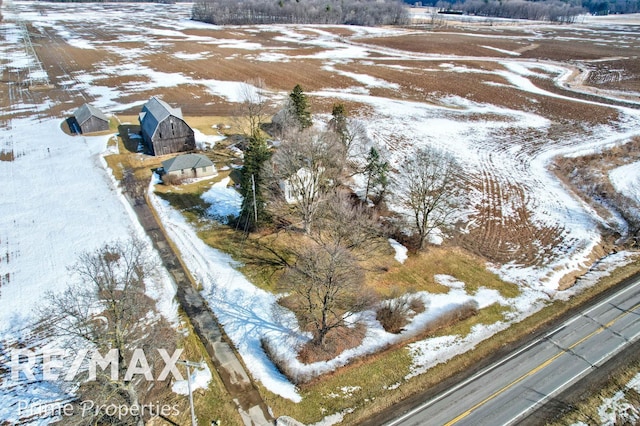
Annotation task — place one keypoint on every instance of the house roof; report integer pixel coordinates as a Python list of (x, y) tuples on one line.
[(153, 112), (186, 161), (87, 111)]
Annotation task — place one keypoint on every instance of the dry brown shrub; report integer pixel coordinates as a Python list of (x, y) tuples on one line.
[(336, 342), (171, 179), (7, 156), (394, 314), (461, 313)]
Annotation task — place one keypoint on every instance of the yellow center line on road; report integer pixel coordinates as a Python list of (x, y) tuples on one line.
[(540, 367)]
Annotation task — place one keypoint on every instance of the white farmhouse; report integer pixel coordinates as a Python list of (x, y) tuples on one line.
[(302, 186)]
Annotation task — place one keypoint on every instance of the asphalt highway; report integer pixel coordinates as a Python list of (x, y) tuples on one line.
[(507, 391)]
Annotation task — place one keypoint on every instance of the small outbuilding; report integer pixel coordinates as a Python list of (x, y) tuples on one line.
[(187, 166), (88, 119), (164, 131)]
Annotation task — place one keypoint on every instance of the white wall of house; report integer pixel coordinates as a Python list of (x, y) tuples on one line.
[(193, 173)]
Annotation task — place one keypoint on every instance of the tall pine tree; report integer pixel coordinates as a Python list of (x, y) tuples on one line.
[(252, 212), (300, 107), (376, 172)]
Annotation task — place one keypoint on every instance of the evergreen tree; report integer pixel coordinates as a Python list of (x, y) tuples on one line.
[(376, 171), (339, 123), (300, 107), (252, 212)]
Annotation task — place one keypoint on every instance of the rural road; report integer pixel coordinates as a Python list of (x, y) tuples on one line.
[(507, 391)]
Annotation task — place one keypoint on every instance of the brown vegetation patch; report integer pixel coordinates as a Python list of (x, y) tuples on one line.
[(395, 314), (588, 177), (353, 336), (7, 156), (511, 237), (418, 271), (337, 341), (575, 48), (449, 44), (616, 74)]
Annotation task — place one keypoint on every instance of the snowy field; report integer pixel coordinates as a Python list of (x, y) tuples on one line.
[(59, 199)]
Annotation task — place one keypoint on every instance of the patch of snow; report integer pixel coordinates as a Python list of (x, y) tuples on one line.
[(626, 180), (204, 142), (367, 80), (432, 351), (448, 281), (200, 379), (190, 56), (401, 251), (506, 52), (617, 410), (225, 201)]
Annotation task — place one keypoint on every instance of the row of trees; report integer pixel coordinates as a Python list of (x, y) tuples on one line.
[(550, 10), (301, 184), (251, 12)]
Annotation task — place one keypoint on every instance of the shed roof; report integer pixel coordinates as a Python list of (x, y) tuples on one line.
[(154, 111), (186, 161), (87, 111)]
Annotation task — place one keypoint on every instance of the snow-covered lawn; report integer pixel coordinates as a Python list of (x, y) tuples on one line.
[(58, 201)]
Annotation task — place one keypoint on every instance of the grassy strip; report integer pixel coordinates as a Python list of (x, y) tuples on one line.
[(419, 270), (140, 164)]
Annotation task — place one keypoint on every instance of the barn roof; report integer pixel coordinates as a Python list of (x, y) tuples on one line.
[(153, 112), (86, 111), (186, 161)]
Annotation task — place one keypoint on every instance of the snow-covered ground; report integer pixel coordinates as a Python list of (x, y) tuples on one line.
[(59, 200), (626, 180)]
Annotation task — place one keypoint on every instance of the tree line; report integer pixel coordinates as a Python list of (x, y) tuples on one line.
[(253, 12), (549, 10)]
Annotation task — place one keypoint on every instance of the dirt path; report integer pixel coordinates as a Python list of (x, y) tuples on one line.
[(252, 408)]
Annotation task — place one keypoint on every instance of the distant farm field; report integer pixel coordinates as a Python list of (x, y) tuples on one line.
[(505, 99)]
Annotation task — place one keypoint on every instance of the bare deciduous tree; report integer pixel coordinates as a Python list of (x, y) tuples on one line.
[(350, 224), (303, 170), (106, 309), (428, 188), (327, 286), (254, 107)]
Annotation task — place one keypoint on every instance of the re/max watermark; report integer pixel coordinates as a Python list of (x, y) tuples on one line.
[(90, 408), (64, 364)]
